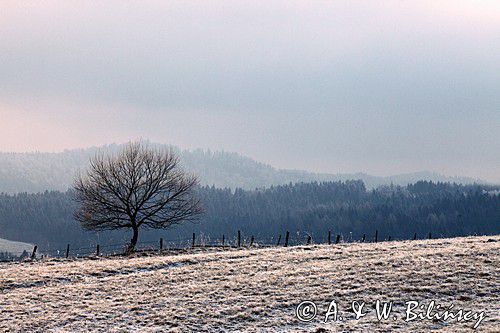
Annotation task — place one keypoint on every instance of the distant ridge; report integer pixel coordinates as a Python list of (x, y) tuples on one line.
[(38, 172)]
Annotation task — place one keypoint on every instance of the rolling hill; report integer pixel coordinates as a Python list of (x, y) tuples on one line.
[(37, 172), (15, 248)]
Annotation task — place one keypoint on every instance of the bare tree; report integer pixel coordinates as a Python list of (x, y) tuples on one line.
[(138, 187)]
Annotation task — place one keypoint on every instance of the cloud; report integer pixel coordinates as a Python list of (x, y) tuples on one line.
[(382, 87)]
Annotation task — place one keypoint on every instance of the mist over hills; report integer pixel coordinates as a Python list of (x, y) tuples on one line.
[(37, 172)]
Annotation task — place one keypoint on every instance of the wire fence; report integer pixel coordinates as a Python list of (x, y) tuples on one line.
[(201, 242)]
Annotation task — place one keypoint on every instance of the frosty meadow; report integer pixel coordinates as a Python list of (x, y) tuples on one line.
[(256, 290)]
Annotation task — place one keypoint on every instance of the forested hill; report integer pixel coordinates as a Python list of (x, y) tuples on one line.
[(37, 172), (346, 208)]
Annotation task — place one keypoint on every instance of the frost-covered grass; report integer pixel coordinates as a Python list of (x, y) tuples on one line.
[(252, 290)]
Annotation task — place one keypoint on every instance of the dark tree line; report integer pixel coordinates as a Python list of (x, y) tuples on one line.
[(346, 208), (8, 256)]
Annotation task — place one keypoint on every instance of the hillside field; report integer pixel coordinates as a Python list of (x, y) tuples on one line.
[(256, 290), (15, 248)]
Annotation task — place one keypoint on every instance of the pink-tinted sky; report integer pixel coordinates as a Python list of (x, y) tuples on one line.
[(381, 87)]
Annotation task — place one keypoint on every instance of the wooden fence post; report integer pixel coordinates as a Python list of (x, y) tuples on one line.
[(239, 238), (363, 239), (337, 240), (329, 237), (279, 240), (67, 251), (223, 240), (415, 236), (33, 254), (308, 239), (287, 236), (251, 241), (376, 236), (97, 250), (161, 244), (194, 239)]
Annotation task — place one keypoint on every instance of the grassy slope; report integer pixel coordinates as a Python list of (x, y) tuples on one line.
[(14, 247), (252, 290)]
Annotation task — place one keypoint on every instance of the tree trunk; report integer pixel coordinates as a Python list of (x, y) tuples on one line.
[(133, 241)]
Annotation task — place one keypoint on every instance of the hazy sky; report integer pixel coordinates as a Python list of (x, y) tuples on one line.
[(382, 87)]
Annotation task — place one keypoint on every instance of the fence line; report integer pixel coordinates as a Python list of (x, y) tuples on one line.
[(239, 241)]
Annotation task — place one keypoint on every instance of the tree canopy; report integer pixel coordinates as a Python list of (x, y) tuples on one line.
[(138, 187)]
